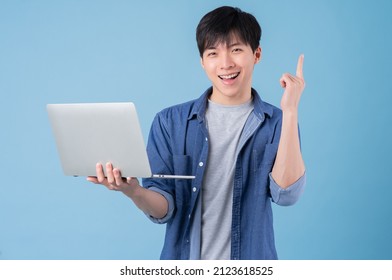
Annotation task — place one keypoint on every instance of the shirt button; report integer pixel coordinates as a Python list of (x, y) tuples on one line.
[(201, 164), (206, 139), (194, 189)]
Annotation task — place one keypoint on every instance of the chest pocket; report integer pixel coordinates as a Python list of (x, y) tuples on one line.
[(263, 161), (266, 156), (182, 165)]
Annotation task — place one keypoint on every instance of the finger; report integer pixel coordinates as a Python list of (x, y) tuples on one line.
[(117, 177), (282, 83), (132, 181), (109, 173), (300, 64), (100, 174), (286, 79), (92, 179)]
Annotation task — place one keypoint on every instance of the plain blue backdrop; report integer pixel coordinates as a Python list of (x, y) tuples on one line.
[(145, 52)]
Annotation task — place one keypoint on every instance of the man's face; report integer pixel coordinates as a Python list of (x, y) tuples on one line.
[(230, 67)]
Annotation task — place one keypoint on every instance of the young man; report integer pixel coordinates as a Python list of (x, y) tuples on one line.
[(244, 153)]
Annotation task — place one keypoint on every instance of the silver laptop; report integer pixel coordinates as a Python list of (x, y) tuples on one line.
[(88, 133)]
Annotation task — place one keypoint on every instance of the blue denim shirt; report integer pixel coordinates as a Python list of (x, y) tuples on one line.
[(178, 144)]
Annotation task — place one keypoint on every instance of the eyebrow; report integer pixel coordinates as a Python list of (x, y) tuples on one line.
[(229, 46), (235, 44)]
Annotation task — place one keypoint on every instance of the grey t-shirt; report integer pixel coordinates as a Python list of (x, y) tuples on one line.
[(225, 125)]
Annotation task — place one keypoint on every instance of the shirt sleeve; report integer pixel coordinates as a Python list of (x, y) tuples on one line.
[(289, 195), (170, 210), (158, 149)]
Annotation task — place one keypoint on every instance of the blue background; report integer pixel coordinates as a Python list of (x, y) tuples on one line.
[(145, 52)]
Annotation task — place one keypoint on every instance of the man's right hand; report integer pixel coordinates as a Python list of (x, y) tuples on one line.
[(113, 180), (148, 201)]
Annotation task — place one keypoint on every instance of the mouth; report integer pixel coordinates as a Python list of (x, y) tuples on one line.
[(229, 76)]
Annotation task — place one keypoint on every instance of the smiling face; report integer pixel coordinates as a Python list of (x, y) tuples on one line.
[(229, 66)]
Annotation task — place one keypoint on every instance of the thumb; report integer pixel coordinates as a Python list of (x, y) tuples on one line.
[(282, 82)]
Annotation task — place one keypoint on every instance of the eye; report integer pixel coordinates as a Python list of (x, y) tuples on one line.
[(211, 54), (237, 50)]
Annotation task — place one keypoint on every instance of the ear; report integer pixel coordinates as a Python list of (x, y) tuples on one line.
[(201, 62), (258, 54)]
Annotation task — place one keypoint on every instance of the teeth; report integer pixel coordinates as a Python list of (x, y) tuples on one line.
[(231, 76)]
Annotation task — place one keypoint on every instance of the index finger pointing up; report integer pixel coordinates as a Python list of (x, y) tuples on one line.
[(299, 66)]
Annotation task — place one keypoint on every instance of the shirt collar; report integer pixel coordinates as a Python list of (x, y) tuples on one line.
[(199, 109)]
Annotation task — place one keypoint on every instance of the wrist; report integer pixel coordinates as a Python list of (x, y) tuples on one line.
[(290, 113), (132, 190)]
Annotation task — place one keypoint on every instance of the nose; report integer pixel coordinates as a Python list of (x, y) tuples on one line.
[(227, 61)]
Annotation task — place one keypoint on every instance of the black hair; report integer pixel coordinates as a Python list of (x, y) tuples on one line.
[(221, 24)]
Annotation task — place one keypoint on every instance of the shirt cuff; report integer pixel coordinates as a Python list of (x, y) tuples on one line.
[(170, 210), (289, 195)]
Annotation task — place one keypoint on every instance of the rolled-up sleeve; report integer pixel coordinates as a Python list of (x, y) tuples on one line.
[(287, 196), (159, 154), (170, 210)]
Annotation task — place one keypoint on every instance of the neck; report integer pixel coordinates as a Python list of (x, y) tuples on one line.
[(223, 99)]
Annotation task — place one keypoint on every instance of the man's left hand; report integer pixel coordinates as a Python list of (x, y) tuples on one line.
[(294, 86)]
